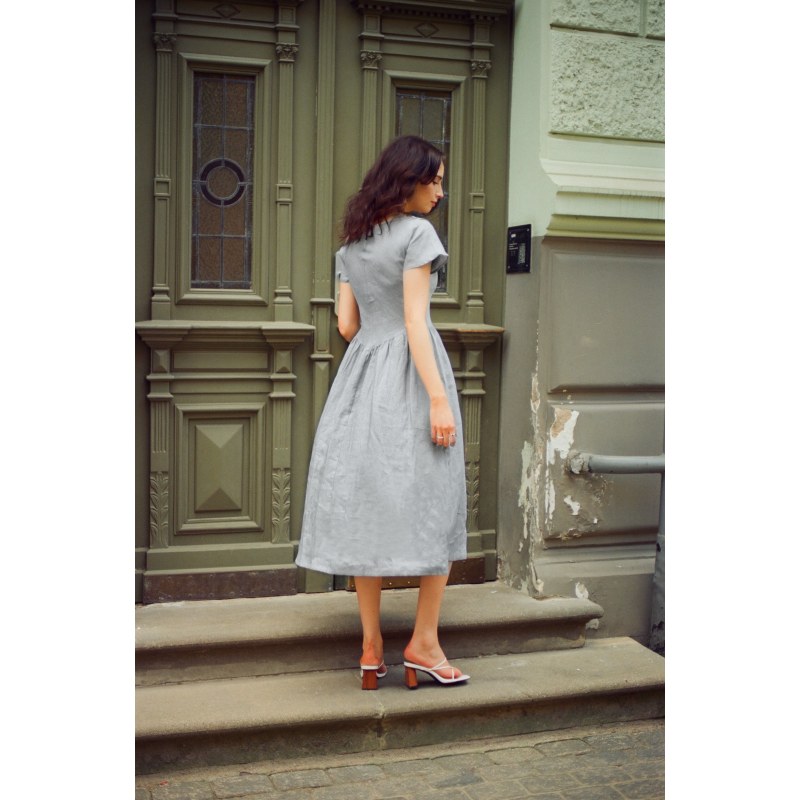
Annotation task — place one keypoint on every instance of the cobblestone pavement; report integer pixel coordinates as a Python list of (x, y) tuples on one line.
[(622, 761)]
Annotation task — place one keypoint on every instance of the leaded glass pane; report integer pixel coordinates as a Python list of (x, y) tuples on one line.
[(222, 181), (426, 113)]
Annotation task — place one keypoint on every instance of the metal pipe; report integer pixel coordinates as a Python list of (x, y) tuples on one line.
[(628, 465)]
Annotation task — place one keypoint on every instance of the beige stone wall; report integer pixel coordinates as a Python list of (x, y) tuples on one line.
[(607, 86)]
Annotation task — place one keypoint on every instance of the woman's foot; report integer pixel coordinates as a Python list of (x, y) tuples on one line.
[(372, 658), (434, 661), (372, 667)]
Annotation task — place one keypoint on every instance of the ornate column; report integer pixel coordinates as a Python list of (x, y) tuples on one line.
[(473, 344), (471, 341), (286, 49), (480, 65), (371, 56), (162, 435), (322, 293), (160, 399), (164, 40), (472, 397), (281, 399)]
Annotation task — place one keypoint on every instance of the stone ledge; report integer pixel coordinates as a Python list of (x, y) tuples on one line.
[(209, 640), (241, 720), (284, 619)]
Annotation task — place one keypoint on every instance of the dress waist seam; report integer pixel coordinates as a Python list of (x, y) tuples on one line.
[(370, 344)]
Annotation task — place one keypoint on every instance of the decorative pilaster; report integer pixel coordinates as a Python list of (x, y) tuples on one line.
[(159, 509), (164, 40), (322, 298), (472, 395), (281, 399), (471, 341), (480, 66), (371, 56), (286, 50), (160, 399)]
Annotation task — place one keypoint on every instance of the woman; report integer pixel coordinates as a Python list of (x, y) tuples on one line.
[(386, 490)]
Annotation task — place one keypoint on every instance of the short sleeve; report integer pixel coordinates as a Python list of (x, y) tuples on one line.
[(341, 269), (424, 247)]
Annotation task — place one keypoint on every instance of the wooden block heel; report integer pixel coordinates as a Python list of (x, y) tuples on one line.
[(369, 679), (411, 678), (370, 675)]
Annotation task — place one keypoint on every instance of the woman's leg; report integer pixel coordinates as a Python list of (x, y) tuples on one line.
[(368, 591), (424, 648)]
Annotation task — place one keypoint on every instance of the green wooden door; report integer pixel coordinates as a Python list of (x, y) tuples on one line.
[(255, 123)]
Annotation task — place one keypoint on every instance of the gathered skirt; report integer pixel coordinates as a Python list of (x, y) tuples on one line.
[(381, 498)]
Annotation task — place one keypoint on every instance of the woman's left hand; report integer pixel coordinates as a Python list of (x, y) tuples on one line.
[(443, 424)]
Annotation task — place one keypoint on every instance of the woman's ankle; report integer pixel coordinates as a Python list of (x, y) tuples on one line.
[(372, 650), (423, 650)]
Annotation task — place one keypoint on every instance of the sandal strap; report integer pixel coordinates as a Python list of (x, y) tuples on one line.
[(444, 665)]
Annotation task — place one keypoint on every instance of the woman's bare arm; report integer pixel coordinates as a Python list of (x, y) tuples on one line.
[(349, 316), (416, 288)]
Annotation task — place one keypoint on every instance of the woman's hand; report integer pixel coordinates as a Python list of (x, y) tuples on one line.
[(443, 424)]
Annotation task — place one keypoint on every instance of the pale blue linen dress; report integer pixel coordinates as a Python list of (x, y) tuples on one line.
[(381, 498)]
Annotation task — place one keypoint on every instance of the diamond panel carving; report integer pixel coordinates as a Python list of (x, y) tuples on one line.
[(227, 10), (427, 29), (219, 469)]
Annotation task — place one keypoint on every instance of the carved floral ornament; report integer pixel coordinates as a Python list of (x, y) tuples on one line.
[(286, 52), (164, 42), (370, 59), (481, 69)]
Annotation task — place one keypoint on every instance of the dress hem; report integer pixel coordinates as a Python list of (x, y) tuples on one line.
[(372, 571)]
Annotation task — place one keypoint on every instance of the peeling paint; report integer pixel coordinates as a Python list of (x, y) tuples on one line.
[(559, 442), (525, 499), (535, 398), (562, 433), (583, 593), (532, 465), (574, 505)]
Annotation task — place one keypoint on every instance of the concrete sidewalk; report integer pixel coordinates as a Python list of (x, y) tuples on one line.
[(617, 761)]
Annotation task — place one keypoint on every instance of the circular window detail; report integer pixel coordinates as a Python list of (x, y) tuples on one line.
[(222, 182)]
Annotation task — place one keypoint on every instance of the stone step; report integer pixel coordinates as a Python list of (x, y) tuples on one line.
[(213, 639), (242, 720)]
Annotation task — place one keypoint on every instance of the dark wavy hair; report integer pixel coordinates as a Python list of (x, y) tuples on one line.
[(403, 163)]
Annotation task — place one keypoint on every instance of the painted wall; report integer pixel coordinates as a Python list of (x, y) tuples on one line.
[(583, 361)]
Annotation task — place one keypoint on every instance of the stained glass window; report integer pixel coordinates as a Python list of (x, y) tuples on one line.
[(427, 114), (222, 181)]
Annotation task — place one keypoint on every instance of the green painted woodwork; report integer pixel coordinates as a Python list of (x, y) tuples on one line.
[(232, 382), (587, 227)]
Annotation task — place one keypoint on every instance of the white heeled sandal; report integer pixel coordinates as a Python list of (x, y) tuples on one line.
[(412, 668)]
